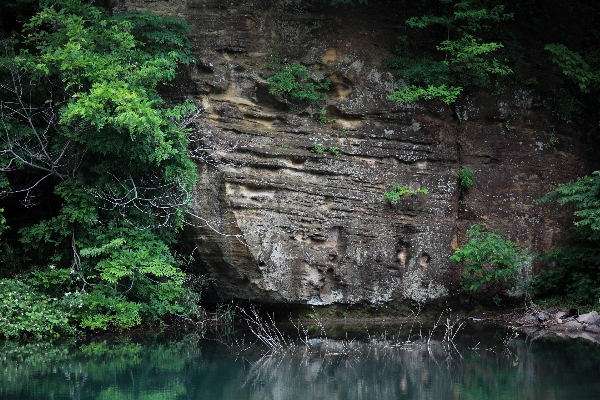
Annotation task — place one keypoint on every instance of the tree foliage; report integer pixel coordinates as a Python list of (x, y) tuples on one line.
[(584, 193), (575, 269), (577, 97), (468, 60), (575, 67), (80, 113)]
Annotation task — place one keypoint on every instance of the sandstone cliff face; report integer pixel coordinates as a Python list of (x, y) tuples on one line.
[(294, 226)]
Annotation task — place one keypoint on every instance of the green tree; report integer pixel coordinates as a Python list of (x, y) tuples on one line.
[(575, 67), (579, 96), (468, 60), (575, 269), (81, 114)]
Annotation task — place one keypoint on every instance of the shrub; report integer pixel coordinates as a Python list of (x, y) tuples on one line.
[(408, 94), (488, 258), (27, 313), (574, 274), (293, 82)]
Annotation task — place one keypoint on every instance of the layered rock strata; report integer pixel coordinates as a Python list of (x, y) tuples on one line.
[(283, 223)]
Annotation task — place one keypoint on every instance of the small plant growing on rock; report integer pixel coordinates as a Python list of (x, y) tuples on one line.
[(334, 151), (497, 300), (552, 140), (293, 82), (273, 61), (322, 117), (466, 179), (317, 148), (400, 190)]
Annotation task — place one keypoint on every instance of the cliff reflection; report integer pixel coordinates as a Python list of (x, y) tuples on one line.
[(481, 366)]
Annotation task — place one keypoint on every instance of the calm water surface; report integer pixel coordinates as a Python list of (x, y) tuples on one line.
[(483, 365)]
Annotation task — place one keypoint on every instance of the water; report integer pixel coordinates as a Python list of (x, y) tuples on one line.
[(485, 364)]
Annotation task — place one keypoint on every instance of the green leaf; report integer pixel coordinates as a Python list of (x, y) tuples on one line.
[(114, 154)]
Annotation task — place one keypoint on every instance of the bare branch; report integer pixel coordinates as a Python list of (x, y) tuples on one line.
[(27, 130)]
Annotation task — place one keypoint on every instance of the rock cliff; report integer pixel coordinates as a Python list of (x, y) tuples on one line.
[(290, 225)]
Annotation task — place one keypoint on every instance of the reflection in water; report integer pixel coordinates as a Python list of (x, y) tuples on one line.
[(480, 367)]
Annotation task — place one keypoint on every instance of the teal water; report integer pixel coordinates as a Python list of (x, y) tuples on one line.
[(483, 365)]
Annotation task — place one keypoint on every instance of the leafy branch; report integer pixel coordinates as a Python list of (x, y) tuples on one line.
[(468, 59)]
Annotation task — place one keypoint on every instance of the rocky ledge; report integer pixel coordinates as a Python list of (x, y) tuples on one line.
[(562, 323)]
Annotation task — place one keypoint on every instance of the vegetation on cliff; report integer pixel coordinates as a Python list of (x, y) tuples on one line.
[(448, 47), (293, 82), (454, 46), (489, 259), (469, 59), (103, 164)]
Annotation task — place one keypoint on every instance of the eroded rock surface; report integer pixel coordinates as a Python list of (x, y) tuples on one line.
[(291, 225)]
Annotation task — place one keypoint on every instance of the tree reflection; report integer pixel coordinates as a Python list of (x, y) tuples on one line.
[(479, 367)]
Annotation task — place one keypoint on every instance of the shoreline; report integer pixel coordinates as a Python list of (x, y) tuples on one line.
[(535, 322), (553, 322)]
